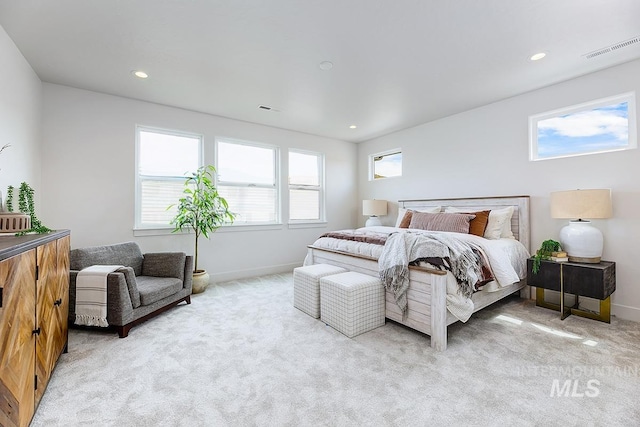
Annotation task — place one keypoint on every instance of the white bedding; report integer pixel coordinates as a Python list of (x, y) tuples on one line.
[(507, 261)]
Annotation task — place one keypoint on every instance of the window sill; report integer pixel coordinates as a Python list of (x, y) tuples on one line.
[(249, 227), (315, 224), (160, 231), (165, 231)]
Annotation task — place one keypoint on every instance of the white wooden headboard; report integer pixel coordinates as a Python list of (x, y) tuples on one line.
[(519, 220)]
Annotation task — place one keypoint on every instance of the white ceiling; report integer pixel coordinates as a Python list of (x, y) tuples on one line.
[(397, 63)]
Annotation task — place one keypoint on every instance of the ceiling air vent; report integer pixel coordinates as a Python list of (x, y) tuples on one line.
[(267, 108), (612, 48)]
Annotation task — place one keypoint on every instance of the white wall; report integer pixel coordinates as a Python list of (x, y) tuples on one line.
[(484, 152), (20, 120), (89, 166)]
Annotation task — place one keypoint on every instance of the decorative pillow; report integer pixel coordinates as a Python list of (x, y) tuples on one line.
[(499, 224), (478, 225), (506, 227), (453, 222), (406, 219), (402, 212)]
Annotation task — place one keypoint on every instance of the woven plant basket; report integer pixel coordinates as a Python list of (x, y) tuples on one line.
[(11, 222)]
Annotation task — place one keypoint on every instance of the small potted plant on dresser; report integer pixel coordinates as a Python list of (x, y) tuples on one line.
[(203, 210), (10, 221)]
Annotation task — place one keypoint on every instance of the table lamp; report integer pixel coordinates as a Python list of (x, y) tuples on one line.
[(374, 209), (582, 241)]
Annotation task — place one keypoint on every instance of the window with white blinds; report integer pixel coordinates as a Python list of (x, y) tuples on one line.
[(248, 179), (164, 158), (306, 192)]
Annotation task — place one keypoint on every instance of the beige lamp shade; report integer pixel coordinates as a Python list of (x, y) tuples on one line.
[(581, 204), (374, 207), (582, 241)]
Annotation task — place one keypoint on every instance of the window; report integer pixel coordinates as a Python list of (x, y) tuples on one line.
[(306, 195), (385, 165), (163, 159), (599, 126), (247, 178)]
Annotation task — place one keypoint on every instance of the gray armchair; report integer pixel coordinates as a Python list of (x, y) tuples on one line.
[(147, 285)]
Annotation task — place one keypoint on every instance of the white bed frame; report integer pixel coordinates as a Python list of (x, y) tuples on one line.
[(426, 310)]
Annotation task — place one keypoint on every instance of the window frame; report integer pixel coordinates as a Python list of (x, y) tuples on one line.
[(632, 142), (145, 228), (320, 188), (276, 180), (372, 166)]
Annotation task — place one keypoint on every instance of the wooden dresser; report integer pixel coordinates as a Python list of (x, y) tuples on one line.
[(34, 304)]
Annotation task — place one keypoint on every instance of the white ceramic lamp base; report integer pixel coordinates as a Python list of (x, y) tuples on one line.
[(373, 221), (582, 242)]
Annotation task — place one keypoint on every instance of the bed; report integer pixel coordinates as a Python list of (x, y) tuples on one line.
[(427, 293)]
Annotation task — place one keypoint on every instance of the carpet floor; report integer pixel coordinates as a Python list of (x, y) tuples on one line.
[(242, 355)]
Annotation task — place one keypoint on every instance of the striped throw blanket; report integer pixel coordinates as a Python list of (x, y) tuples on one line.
[(91, 295)]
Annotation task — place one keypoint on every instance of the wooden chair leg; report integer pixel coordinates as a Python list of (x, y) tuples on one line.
[(123, 331)]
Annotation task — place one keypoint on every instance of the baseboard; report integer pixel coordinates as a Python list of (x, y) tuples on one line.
[(243, 274), (625, 312)]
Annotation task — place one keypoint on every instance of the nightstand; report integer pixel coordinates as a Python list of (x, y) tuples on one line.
[(588, 280)]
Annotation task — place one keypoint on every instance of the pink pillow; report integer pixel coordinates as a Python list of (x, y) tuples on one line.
[(453, 222)]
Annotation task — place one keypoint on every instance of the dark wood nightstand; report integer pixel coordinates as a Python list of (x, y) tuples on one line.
[(588, 280)]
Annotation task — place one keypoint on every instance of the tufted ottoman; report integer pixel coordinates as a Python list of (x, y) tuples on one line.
[(306, 286), (352, 303)]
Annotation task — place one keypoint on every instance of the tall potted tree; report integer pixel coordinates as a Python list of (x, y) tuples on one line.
[(202, 210)]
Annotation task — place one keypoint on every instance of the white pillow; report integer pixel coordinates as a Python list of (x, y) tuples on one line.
[(499, 224), (402, 211), (497, 221), (506, 227)]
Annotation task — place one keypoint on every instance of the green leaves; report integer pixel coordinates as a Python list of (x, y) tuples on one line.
[(10, 198), (26, 205), (202, 208), (546, 248)]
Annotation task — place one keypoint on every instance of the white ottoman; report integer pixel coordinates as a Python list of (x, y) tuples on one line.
[(352, 303), (306, 286)]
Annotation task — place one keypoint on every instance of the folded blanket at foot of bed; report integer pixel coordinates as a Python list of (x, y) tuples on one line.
[(442, 250)]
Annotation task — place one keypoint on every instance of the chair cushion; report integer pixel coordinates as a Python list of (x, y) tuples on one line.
[(154, 289), (126, 254), (164, 264), (130, 279)]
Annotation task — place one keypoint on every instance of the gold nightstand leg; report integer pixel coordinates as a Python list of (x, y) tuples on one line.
[(540, 302), (564, 312), (603, 316)]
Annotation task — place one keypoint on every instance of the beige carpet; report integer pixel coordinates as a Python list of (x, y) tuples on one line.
[(242, 355)]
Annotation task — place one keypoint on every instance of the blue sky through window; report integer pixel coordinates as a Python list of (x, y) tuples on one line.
[(599, 129), (595, 127), (387, 165)]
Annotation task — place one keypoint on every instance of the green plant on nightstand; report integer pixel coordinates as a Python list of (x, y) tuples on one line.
[(545, 251)]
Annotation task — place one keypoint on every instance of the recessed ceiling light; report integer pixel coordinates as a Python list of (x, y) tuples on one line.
[(326, 65), (140, 74), (538, 56), (353, 127)]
